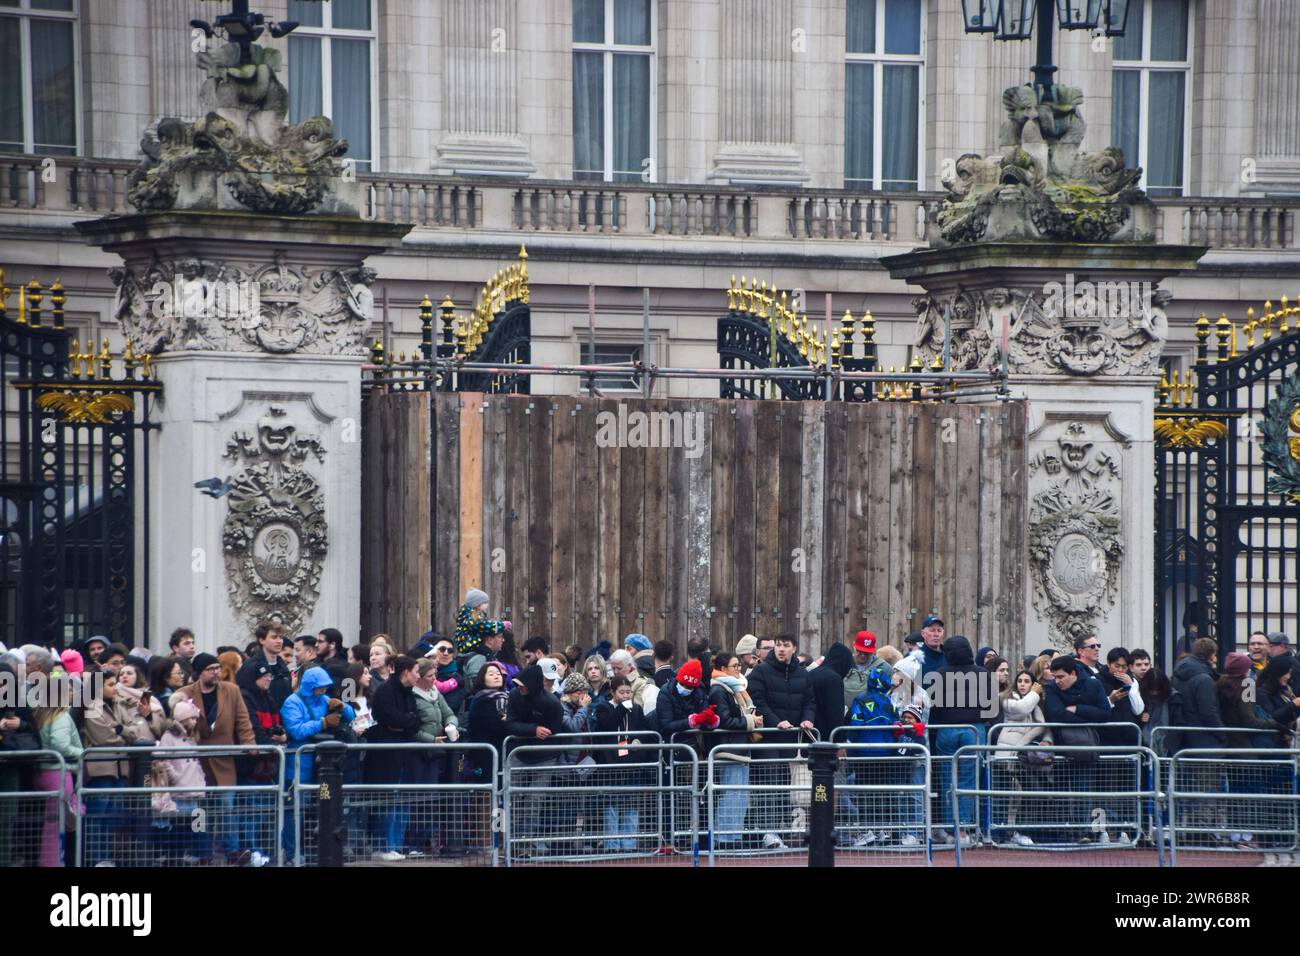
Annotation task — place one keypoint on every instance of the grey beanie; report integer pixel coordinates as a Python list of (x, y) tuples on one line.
[(474, 597)]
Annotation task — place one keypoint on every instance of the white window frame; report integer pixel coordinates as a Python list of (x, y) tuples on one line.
[(608, 48), (1144, 68), (613, 341), (24, 13), (878, 61), (327, 31)]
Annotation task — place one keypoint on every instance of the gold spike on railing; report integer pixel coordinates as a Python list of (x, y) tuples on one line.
[(33, 304), (4, 296), (1283, 328)]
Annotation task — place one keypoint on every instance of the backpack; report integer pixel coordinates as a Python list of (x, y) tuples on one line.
[(873, 709)]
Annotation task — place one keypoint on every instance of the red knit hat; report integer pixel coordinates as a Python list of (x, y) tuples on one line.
[(690, 674)]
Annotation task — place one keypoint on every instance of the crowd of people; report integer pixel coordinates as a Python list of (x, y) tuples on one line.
[(279, 693)]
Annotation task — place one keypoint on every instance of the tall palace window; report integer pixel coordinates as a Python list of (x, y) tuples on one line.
[(613, 90), (332, 71), (38, 77), (882, 94)]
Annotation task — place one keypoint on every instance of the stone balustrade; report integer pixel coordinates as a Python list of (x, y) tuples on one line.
[(61, 185)]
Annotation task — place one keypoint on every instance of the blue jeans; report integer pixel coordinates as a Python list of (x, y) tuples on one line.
[(105, 816), (729, 821), (621, 819), (222, 806), (256, 820), (946, 743)]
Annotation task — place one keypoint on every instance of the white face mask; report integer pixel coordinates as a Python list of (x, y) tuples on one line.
[(627, 704), (684, 691)]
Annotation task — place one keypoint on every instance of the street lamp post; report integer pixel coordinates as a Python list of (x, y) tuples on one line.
[(244, 28)]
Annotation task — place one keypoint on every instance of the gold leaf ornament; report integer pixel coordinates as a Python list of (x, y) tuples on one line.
[(95, 408)]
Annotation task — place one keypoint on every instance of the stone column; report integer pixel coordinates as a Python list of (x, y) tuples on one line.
[(259, 326), (1079, 328)]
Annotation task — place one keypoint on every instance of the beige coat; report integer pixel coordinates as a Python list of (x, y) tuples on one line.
[(233, 727)]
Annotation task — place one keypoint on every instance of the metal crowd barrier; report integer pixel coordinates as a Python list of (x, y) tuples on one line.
[(619, 807), (881, 812), (162, 823), (33, 818), (1086, 797), (423, 811), (1233, 799)]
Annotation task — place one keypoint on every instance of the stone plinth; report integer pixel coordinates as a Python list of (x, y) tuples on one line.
[(258, 325)]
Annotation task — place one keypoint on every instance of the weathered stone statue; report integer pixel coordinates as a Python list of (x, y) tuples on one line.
[(242, 153), (1040, 186)]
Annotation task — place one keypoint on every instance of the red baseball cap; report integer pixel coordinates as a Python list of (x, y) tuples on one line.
[(865, 642)]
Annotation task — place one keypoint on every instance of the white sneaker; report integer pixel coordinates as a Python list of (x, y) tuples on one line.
[(1019, 839), (1103, 837), (773, 842), (389, 856), (259, 859), (1122, 839), (416, 855), (965, 839), (865, 840), (909, 841), (189, 859), (105, 863)]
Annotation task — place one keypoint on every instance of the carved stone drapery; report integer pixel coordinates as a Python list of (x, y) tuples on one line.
[(1103, 328), (1075, 544), (274, 537), (189, 303)]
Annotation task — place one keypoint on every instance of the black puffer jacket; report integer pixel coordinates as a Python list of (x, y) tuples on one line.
[(1193, 681), (952, 691), (827, 683), (397, 721), (672, 710), (525, 712), (782, 692)]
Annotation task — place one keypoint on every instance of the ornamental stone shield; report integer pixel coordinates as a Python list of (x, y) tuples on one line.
[(274, 537), (1074, 535), (1281, 432)]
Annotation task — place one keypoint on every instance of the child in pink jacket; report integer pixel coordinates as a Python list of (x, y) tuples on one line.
[(176, 811)]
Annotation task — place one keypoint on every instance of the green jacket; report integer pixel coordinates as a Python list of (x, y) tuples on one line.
[(855, 681), (60, 735), (434, 716)]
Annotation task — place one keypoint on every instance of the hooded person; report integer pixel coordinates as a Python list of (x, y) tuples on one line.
[(1194, 682), (533, 712), (828, 689), (1238, 708), (682, 705), (254, 683), (473, 623), (909, 690), (310, 711)]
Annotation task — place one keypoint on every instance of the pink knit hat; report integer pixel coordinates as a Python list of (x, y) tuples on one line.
[(72, 662)]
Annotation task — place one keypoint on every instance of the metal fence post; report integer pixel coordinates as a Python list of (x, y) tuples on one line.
[(821, 815), (331, 834)]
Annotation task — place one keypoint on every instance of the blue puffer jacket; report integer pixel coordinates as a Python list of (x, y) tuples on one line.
[(303, 716)]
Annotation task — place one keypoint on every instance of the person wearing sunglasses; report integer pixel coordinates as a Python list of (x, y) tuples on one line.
[(450, 682), (1087, 652)]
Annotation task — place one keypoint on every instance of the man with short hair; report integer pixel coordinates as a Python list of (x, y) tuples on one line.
[(1257, 650), (223, 721), (487, 649), (1087, 653), (783, 695), (270, 642), (644, 692), (747, 652), (183, 648), (932, 633), (665, 652), (642, 651), (765, 646), (1195, 680), (112, 658), (329, 655), (535, 648), (304, 656), (1074, 697), (1279, 645)]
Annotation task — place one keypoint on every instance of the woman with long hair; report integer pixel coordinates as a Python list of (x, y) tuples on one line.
[(58, 732), (166, 675), (596, 669), (1021, 711), (729, 695), (1156, 689)]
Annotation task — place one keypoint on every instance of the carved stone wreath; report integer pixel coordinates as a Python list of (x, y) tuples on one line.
[(275, 538), (1281, 431), (1075, 547)]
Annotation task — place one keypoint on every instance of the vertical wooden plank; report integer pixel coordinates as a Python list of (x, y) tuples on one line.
[(540, 505), (419, 469), (922, 543), (631, 518), (964, 539), (722, 594), (563, 496), (789, 491), (609, 526), (990, 527), (744, 511), (372, 541), (699, 519), (901, 443), (587, 535), (677, 541), (654, 547), (400, 560), (497, 544), (836, 621), (447, 573), (767, 528), (857, 521), (881, 518), (944, 586), (1011, 632), (471, 490), (812, 617), (514, 602)]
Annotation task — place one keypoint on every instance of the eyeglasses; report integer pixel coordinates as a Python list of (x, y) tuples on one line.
[(443, 649), (1093, 647)]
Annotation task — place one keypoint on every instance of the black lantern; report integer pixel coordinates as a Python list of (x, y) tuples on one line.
[(980, 15), (1015, 20), (1116, 17), (1078, 14)]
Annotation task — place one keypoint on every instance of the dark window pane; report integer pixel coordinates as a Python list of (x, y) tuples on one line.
[(588, 21), (903, 26), (64, 5), (306, 12), (351, 14), (859, 108), (54, 111), (1165, 132), (860, 32), (899, 114), (631, 114), (588, 114), (350, 91), (11, 86), (1169, 30), (632, 21), (1129, 46), (306, 94), (1125, 109)]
